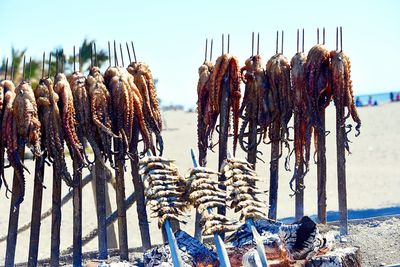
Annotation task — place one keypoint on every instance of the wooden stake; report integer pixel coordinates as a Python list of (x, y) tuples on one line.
[(55, 219), (77, 211), (13, 218), (36, 212), (120, 196), (223, 133), (100, 181), (321, 169), (274, 170), (139, 189), (341, 169)]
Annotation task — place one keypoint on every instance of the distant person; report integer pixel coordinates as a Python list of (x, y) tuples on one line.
[(370, 101), (398, 97), (358, 102), (391, 97), (375, 103)]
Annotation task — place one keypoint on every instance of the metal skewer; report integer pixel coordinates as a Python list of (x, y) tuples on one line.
[(221, 250), (211, 47), (282, 42), (109, 54), (122, 55), (205, 52), (258, 43), (252, 44), (133, 49), (5, 73), (129, 53)]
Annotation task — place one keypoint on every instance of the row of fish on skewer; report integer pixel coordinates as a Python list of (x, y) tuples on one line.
[(169, 194)]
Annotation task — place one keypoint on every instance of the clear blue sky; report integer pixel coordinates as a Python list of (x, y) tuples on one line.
[(170, 35)]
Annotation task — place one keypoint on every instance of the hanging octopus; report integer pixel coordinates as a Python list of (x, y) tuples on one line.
[(22, 127), (278, 73), (257, 104), (84, 128), (319, 91), (52, 132), (226, 67), (68, 119), (203, 108), (100, 104), (144, 81), (342, 90), (7, 96), (126, 106), (301, 118)]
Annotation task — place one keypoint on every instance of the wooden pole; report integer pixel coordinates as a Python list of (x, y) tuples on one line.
[(120, 196), (13, 219), (252, 143), (100, 181), (223, 133), (36, 212), (321, 169), (77, 220), (139, 189), (274, 170), (341, 169), (299, 173), (55, 219), (111, 235)]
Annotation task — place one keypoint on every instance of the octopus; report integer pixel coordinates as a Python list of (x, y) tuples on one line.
[(22, 127), (126, 108), (342, 90), (100, 110), (226, 68), (7, 96), (203, 109), (257, 104), (84, 127), (301, 116), (68, 119), (52, 132), (319, 90), (144, 81), (278, 73)]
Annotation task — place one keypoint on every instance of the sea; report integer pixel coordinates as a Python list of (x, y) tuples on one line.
[(381, 98)]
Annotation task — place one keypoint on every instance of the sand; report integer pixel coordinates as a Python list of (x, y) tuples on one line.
[(372, 175)]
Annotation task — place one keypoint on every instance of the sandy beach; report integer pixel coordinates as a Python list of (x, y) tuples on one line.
[(373, 178)]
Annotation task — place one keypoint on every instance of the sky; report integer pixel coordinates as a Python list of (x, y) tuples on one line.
[(170, 35)]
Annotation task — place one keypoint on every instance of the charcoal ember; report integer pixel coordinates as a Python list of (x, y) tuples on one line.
[(193, 253)]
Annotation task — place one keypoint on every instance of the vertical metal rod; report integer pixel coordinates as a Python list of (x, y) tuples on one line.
[(302, 46), (298, 175), (337, 38), (77, 212), (211, 48), (205, 51), (12, 69), (133, 49), (258, 43), (30, 68), (91, 57), (74, 60), (317, 35), (109, 54), (13, 217), (115, 55), (323, 35), (341, 40), (49, 70), (298, 41), (252, 44), (62, 61), (44, 58), (282, 42), (129, 53), (122, 55), (321, 169), (95, 55), (5, 73), (55, 219), (36, 207), (277, 37), (56, 62), (23, 70), (259, 242), (222, 44), (176, 257), (274, 170), (229, 41)]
